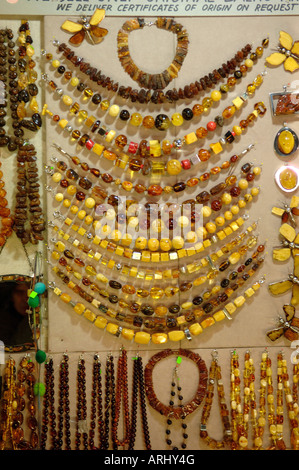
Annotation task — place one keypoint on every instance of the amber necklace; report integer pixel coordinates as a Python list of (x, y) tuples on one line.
[(96, 418), (49, 416), (121, 394), (109, 406), (138, 385), (215, 379), (81, 430)]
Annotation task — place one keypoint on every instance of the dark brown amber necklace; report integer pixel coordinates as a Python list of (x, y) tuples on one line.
[(81, 431), (63, 424), (121, 395), (138, 386), (96, 419), (49, 416), (109, 408)]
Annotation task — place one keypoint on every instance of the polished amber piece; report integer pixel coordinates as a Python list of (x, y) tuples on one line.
[(204, 155), (198, 109), (228, 112), (148, 122), (201, 132), (155, 190)]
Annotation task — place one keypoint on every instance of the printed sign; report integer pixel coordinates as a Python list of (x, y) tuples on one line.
[(151, 7)]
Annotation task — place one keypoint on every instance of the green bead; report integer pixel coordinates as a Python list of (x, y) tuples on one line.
[(40, 356), (33, 300), (39, 389)]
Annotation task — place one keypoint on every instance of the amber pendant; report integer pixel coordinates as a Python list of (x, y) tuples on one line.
[(288, 327), (285, 142), (287, 178), (86, 28), (284, 102)]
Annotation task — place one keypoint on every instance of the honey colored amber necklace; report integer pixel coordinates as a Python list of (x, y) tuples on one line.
[(158, 97), (215, 380)]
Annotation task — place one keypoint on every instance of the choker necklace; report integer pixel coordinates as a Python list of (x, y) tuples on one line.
[(171, 411)]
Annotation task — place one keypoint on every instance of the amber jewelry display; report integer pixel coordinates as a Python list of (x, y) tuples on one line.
[(81, 425), (86, 28), (121, 401), (148, 121), (175, 412), (215, 380), (158, 96), (146, 80), (6, 229), (138, 386)]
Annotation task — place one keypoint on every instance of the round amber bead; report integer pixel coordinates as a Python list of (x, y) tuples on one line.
[(204, 155), (136, 119), (192, 182), (148, 122), (207, 103), (104, 105), (121, 141), (177, 119), (161, 310), (197, 109), (250, 89), (153, 244), (173, 167), (165, 244), (243, 124), (201, 132), (231, 81), (216, 95), (155, 190)]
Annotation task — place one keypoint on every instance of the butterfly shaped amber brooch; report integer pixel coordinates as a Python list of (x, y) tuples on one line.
[(288, 53), (288, 327), (90, 28)]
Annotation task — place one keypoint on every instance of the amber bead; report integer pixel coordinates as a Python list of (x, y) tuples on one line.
[(204, 155), (155, 190), (197, 109), (216, 205), (204, 176), (235, 191), (148, 122), (121, 141), (115, 284), (135, 164), (243, 124), (178, 187), (201, 132), (203, 197), (192, 182), (231, 81), (228, 112)]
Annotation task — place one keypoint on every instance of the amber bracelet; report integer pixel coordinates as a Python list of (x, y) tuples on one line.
[(155, 189), (158, 97), (160, 322)]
